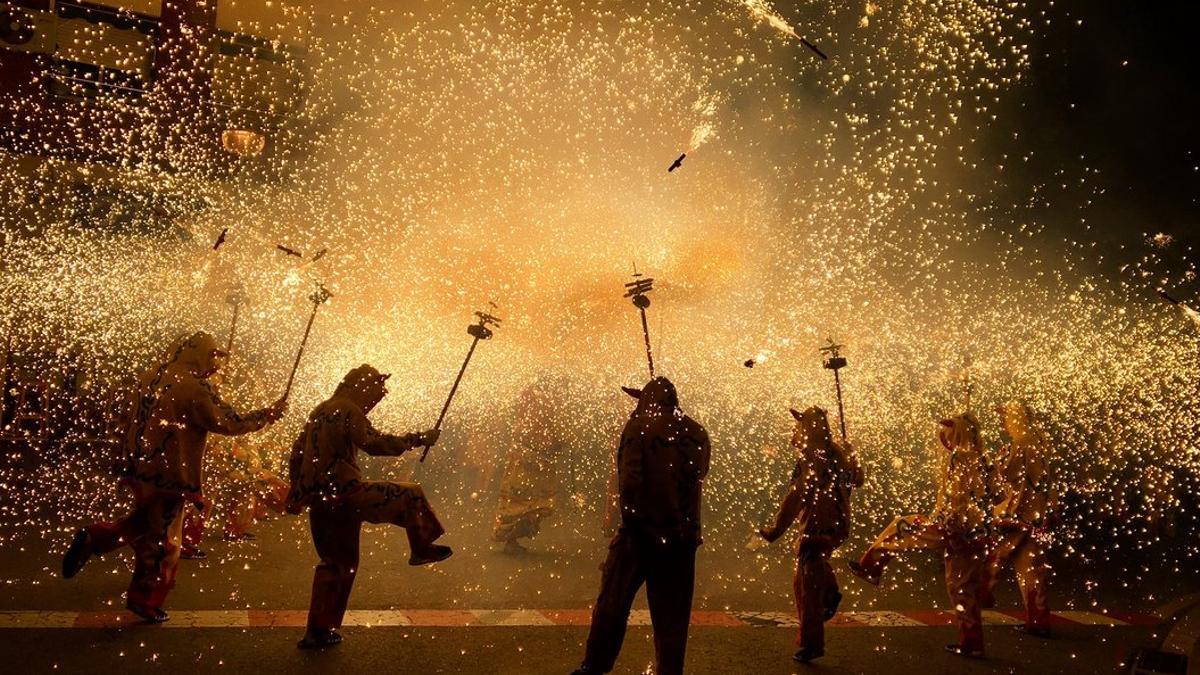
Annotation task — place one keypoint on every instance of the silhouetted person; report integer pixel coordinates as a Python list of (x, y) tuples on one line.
[(661, 464), (325, 478), (1027, 500), (530, 483), (960, 527), (172, 412), (819, 498)]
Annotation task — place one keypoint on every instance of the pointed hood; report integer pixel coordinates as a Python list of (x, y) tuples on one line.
[(364, 385), (658, 394)]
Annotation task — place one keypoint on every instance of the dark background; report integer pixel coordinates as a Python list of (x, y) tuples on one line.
[(1135, 123)]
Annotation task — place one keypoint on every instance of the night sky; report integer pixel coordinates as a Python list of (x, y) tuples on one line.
[(1120, 91)]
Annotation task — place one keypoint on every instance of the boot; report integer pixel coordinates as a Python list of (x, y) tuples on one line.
[(434, 553)]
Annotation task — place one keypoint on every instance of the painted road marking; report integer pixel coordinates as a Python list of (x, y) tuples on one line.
[(265, 618)]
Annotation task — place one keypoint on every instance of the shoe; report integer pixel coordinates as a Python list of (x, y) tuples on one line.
[(148, 614), (963, 651), (77, 555), (861, 572), (804, 655), (834, 603), (1041, 631), (514, 547), (435, 553), (191, 553), (320, 639)]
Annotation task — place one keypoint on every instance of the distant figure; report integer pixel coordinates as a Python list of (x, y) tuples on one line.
[(661, 464), (530, 483), (173, 411), (959, 526), (326, 479), (1027, 502), (246, 492), (819, 496)]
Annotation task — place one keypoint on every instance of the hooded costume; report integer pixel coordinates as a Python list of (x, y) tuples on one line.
[(529, 486), (173, 410), (1027, 496), (661, 464), (325, 478), (959, 526), (819, 500)]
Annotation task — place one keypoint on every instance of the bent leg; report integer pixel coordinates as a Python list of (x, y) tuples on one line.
[(670, 585), (402, 504), (620, 580), (109, 536), (905, 533)]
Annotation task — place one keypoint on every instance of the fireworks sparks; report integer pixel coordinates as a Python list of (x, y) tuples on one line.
[(762, 11), (501, 151)]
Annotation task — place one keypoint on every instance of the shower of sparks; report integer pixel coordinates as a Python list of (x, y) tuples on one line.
[(762, 11), (705, 109), (513, 150)]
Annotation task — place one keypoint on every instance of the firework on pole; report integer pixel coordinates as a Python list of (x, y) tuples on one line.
[(833, 360), (478, 331), (318, 298), (1191, 314), (967, 380), (235, 299), (636, 290)]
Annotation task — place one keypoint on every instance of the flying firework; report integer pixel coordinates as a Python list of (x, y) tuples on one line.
[(763, 12)]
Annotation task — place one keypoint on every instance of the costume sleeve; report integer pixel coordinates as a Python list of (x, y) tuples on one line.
[(368, 439), (798, 495), (853, 470), (213, 414)]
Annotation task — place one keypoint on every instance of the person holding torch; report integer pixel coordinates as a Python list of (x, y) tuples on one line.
[(819, 499), (173, 410), (325, 479)]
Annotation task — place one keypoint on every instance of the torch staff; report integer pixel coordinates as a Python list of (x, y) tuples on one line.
[(318, 298), (637, 290), (478, 331), (237, 296), (967, 379), (835, 361)]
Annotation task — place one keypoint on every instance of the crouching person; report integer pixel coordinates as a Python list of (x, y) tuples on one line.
[(661, 464), (819, 498), (326, 479)]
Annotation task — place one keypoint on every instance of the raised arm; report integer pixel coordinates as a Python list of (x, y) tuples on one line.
[(213, 414), (799, 489), (367, 438)]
